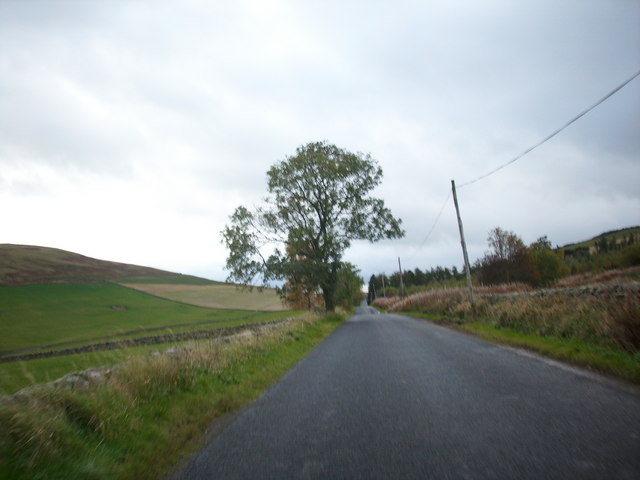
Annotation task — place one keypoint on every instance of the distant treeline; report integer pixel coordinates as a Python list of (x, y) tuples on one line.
[(510, 260), (438, 276)]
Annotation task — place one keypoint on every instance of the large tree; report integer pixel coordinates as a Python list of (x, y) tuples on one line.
[(318, 203)]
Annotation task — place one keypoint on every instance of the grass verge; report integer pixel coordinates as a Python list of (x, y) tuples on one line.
[(17, 375), (151, 412), (601, 358)]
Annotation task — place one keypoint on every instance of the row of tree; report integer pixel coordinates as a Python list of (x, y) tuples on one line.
[(538, 264), (388, 285), (510, 260)]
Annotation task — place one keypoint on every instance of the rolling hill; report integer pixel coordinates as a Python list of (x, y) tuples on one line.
[(604, 242), (66, 306), (22, 265), (30, 265)]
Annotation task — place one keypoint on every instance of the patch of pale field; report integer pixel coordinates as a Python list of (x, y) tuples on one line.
[(215, 296)]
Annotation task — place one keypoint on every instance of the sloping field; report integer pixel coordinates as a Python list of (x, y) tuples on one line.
[(622, 233), (65, 307), (215, 296), (27, 264), (48, 315)]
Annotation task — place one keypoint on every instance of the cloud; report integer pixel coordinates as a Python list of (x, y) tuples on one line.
[(131, 130)]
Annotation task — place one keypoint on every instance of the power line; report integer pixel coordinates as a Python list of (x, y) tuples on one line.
[(435, 222), (549, 137), (544, 140)]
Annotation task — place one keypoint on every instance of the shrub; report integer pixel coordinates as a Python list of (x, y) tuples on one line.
[(623, 321)]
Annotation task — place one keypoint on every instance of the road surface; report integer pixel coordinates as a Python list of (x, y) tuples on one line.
[(391, 397)]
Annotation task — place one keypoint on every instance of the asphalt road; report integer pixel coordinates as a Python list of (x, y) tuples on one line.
[(392, 397)]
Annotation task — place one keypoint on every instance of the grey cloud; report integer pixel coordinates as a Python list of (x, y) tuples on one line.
[(210, 95)]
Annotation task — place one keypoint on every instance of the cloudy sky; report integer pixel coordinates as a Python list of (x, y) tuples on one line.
[(129, 131)]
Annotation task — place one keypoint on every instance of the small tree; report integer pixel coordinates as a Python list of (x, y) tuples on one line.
[(372, 291), (548, 264), (318, 203), (349, 290), (509, 260)]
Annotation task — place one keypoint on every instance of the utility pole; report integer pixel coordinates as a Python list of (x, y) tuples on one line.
[(401, 283), (384, 292), (467, 268)]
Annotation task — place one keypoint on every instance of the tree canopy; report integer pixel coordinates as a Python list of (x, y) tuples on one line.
[(318, 203)]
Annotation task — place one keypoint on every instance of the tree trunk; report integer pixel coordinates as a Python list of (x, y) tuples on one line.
[(329, 288), (329, 304)]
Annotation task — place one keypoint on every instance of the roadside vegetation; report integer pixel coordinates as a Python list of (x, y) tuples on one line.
[(152, 410), (575, 306)]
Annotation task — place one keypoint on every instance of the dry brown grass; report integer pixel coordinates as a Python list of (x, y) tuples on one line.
[(622, 319), (619, 275), (27, 264), (216, 296), (611, 317)]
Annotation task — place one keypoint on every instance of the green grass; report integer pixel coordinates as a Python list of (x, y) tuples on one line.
[(17, 375), (151, 413), (37, 315), (608, 360)]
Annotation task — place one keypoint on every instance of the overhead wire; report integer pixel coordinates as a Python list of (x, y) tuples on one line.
[(433, 226), (550, 136), (528, 150)]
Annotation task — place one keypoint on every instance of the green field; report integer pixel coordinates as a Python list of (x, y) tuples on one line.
[(52, 300), (36, 315), (48, 317)]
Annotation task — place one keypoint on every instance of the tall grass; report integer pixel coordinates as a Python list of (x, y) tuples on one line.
[(150, 411), (611, 317)]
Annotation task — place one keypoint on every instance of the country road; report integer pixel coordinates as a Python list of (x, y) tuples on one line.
[(391, 397)]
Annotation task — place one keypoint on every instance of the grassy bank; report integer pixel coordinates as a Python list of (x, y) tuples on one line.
[(151, 411)]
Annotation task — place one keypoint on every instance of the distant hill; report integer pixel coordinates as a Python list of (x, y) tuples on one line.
[(26, 265), (604, 243)]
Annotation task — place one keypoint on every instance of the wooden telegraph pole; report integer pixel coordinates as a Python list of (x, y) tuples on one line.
[(467, 268), (401, 282)]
